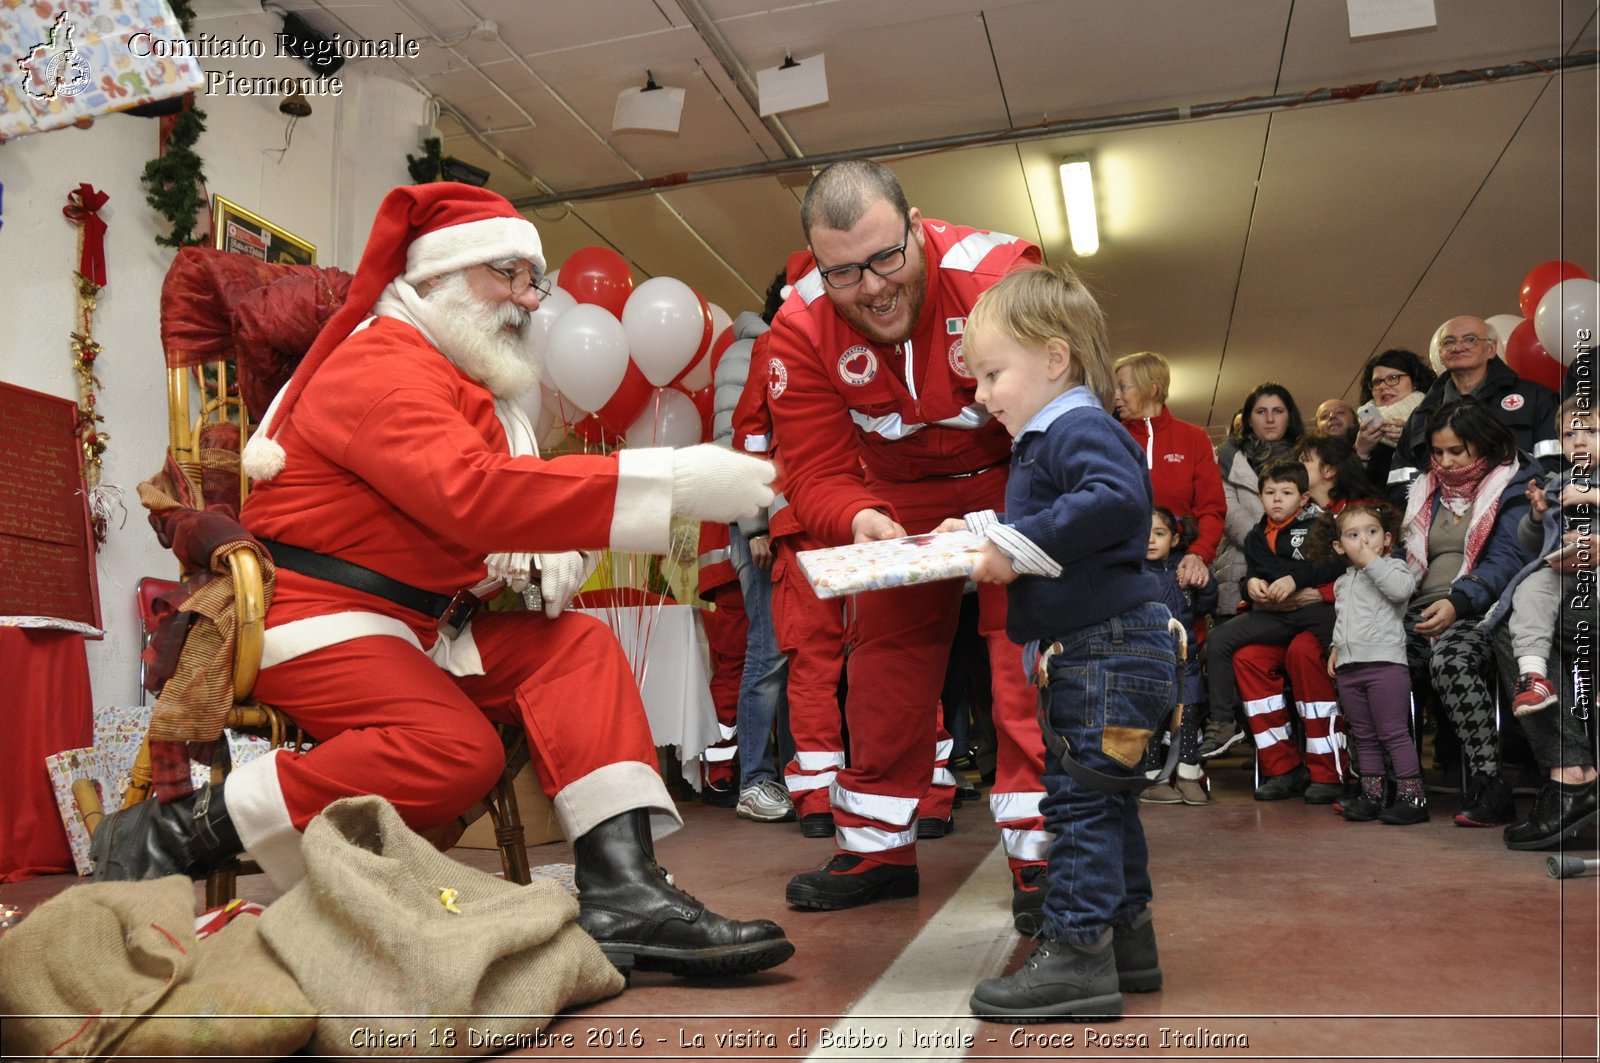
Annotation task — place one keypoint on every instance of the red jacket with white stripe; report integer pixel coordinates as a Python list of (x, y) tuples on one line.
[(1184, 475), (847, 411)]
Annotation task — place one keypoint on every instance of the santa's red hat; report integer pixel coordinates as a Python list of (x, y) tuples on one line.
[(421, 232)]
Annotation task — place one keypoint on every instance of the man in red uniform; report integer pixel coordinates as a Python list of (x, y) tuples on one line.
[(394, 471), (874, 415)]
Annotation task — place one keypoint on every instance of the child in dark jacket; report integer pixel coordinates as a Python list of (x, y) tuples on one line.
[(1278, 571), (1096, 638), (1169, 539)]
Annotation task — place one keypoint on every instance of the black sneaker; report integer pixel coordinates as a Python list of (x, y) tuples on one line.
[(1280, 787), (1028, 887), (1359, 809), (1486, 803), (1220, 736), (720, 795), (1323, 793), (1405, 811), (1059, 981), (849, 880), (817, 825), (934, 827)]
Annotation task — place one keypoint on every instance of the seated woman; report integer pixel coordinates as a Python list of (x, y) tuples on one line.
[(1460, 537), (1392, 385)]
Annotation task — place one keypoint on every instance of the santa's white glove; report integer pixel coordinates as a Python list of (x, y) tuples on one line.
[(560, 576), (713, 483)]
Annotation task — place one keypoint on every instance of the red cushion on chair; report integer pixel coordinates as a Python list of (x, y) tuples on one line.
[(150, 589)]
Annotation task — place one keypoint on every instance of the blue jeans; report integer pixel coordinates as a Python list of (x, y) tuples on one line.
[(763, 694), (1110, 686)]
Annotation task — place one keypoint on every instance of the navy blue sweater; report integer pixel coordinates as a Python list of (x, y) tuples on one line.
[(1079, 490)]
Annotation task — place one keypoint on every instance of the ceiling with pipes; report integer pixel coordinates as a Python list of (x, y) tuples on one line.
[(1254, 224)]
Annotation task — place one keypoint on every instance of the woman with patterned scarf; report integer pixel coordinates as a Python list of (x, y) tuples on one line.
[(1460, 535)]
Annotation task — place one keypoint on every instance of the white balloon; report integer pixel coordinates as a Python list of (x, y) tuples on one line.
[(552, 306), (669, 420), (719, 319), (586, 355), (698, 375), (1566, 317), (664, 324), (1502, 325)]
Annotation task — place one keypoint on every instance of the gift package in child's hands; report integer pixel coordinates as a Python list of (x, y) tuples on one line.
[(839, 570)]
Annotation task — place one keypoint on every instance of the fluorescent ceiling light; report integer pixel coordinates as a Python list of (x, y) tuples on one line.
[(1077, 188)]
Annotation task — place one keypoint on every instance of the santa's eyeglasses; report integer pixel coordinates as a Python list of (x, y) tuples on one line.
[(521, 279)]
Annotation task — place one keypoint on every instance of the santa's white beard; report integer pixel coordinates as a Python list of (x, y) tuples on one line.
[(475, 336)]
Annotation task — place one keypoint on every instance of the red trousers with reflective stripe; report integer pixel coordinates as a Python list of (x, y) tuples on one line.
[(1259, 670), (810, 632), (900, 650), (389, 721), (727, 636)]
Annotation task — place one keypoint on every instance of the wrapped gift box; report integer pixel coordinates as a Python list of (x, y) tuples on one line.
[(58, 65), (839, 570), (118, 733)]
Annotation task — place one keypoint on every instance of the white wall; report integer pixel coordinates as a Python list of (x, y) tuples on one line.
[(325, 189)]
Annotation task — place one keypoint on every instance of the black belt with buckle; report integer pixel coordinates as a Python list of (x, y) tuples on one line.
[(453, 612)]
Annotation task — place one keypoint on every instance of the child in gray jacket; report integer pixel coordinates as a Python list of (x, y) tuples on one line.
[(1367, 661)]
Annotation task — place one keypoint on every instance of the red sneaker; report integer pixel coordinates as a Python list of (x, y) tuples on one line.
[(1534, 693)]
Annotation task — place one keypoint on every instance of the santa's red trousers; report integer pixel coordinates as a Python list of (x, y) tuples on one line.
[(389, 721)]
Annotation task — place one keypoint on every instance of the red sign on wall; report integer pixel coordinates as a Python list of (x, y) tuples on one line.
[(46, 550)]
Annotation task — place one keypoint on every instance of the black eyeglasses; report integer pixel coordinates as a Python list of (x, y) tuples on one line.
[(1389, 381), (883, 264), (521, 279)]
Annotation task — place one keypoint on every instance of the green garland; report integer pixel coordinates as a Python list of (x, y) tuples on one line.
[(174, 179), (430, 167)]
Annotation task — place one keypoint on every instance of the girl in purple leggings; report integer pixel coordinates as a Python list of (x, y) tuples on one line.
[(1368, 664)]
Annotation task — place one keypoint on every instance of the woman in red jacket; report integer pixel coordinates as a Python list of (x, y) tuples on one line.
[(1182, 464)]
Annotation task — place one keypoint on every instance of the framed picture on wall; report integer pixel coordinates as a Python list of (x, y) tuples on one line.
[(248, 233)]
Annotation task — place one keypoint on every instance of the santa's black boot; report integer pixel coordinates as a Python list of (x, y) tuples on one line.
[(190, 836), (641, 920)]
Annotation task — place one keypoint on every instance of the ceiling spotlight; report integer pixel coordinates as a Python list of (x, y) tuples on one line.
[(295, 104), (796, 84), (652, 109), (1077, 188)]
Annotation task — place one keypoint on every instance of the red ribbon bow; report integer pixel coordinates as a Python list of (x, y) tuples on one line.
[(83, 208)]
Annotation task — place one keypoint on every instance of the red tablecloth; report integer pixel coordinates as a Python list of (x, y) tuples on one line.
[(46, 707)]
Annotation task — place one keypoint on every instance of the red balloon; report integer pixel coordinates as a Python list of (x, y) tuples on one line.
[(628, 402), (1541, 279), (719, 347), (704, 402), (1528, 358), (600, 276), (592, 432)]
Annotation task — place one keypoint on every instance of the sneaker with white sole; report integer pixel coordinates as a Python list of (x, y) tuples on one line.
[(1220, 736), (1534, 693), (765, 802)]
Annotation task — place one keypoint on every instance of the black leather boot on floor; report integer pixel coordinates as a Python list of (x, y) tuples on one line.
[(643, 921), (1559, 811), (1138, 961), (1059, 981), (190, 836)]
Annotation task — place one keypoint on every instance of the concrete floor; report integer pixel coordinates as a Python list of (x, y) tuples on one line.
[(1285, 933)]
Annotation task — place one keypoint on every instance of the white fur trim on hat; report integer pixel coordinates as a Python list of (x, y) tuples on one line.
[(263, 456), (471, 244)]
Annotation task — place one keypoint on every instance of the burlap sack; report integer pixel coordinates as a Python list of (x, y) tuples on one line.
[(113, 969), (394, 971)]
